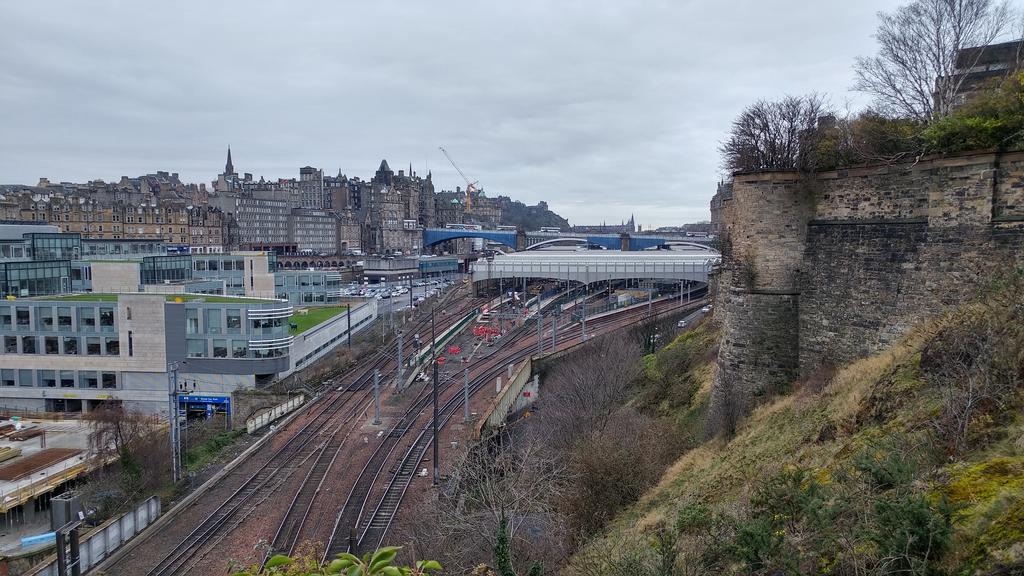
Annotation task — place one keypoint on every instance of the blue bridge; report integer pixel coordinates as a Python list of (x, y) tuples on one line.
[(432, 236)]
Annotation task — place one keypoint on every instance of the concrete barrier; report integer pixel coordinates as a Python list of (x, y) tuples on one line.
[(494, 415), (101, 542), (260, 420)]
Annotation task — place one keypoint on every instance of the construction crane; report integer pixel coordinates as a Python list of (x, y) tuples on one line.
[(470, 186)]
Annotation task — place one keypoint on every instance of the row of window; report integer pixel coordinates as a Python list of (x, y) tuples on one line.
[(67, 345), (214, 321), (215, 265), (61, 321), (201, 348), (58, 378)]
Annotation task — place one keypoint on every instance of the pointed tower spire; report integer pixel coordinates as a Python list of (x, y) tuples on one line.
[(229, 168)]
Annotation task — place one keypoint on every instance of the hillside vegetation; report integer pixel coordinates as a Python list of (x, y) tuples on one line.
[(907, 462)]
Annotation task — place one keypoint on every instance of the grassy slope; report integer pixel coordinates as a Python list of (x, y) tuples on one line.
[(881, 396)]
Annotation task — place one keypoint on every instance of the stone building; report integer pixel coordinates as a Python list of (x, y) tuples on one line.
[(259, 222), (979, 67), (349, 232), (311, 188), (314, 230), (174, 221)]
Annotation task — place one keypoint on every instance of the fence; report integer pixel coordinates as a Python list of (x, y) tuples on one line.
[(98, 544), (260, 420)]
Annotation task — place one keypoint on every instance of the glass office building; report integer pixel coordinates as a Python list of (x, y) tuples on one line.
[(30, 278), (54, 246), (162, 269)]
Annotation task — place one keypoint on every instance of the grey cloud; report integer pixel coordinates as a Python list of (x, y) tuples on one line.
[(600, 108)]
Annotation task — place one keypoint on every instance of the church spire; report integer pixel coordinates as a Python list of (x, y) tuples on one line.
[(229, 168)]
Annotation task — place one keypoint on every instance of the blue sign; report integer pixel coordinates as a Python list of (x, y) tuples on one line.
[(205, 399), (178, 249), (39, 539)]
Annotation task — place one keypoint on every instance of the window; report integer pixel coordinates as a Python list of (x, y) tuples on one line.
[(239, 348), (92, 346), (113, 346), (51, 345), (28, 344), (109, 380), (44, 319), (23, 318), (7, 377), (67, 378), (87, 319), (24, 378), (71, 345), (131, 344), (11, 344), (220, 348), (195, 348), (106, 319), (88, 379), (191, 321), (5, 317), (234, 321), (64, 319), (47, 379), (214, 324)]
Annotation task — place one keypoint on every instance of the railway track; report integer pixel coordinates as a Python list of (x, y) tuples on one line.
[(242, 501), (286, 537), (366, 532), (316, 445)]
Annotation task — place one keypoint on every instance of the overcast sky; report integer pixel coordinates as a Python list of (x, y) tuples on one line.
[(600, 108)]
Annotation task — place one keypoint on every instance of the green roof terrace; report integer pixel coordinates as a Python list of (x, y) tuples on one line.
[(313, 317)]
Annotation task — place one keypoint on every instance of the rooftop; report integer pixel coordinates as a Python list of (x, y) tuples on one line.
[(214, 299), (313, 316)]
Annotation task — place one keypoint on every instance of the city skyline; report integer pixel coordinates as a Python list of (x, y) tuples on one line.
[(565, 105)]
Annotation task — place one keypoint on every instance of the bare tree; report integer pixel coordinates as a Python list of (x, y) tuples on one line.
[(773, 135), (138, 449), (914, 73), (500, 479), (585, 389)]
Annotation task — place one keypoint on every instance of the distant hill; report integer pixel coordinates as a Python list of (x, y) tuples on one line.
[(515, 213)]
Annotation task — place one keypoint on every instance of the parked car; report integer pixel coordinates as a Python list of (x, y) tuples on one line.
[(706, 308), (681, 324)]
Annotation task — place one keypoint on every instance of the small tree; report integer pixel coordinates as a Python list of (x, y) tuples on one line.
[(914, 74), (774, 135)]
